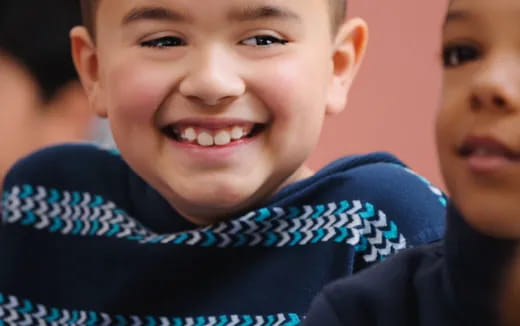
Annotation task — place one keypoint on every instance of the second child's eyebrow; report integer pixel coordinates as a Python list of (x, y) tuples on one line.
[(456, 15)]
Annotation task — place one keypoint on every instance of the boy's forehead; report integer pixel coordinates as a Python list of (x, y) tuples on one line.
[(233, 9)]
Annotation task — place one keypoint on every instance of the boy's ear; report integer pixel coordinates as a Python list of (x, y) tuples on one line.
[(84, 54), (348, 52)]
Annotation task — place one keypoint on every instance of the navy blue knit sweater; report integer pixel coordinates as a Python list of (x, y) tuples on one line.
[(453, 282), (85, 241)]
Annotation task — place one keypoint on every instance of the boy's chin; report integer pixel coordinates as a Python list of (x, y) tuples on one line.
[(210, 206)]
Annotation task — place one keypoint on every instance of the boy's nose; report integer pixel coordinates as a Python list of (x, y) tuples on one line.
[(212, 79), (497, 88)]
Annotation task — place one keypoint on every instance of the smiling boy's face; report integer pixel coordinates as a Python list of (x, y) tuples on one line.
[(478, 128), (217, 104)]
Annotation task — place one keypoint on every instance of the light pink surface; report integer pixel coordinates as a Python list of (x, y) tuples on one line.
[(394, 100)]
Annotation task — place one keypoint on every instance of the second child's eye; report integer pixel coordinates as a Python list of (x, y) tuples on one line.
[(456, 55), (263, 40), (164, 42)]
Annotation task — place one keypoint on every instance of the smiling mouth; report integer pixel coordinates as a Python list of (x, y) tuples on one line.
[(211, 135)]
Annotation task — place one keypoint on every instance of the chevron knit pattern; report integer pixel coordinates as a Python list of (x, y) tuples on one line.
[(14, 311), (356, 223)]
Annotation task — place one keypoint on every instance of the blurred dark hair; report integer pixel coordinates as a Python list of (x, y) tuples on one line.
[(36, 34)]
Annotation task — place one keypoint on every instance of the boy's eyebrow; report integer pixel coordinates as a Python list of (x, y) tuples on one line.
[(152, 13), (262, 12)]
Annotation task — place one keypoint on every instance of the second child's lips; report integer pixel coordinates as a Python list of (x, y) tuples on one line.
[(487, 155), (487, 146)]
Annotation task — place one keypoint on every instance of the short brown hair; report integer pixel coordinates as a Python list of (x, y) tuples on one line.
[(88, 12), (338, 10)]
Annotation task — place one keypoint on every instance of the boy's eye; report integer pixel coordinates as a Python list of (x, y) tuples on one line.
[(263, 40), (456, 55), (163, 42)]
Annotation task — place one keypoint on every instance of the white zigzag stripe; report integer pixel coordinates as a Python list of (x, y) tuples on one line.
[(234, 320), (106, 319), (282, 225), (387, 250), (259, 321), (169, 238), (308, 237), (41, 312), (13, 303), (285, 239), (65, 317), (212, 321), (332, 208), (281, 319), (252, 227), (105, 227), (308, 211), (42, 209), (226, 240), (257, 239), (401, 244), (12, 316), (196, 238), (297, 225), (356, 206), (372, 256), (330, 231), (382, 221), (377, 239), (27, 321), (55, 210), (356, 237), (83, 317), (41, 194), (343, 220), (279, 212)]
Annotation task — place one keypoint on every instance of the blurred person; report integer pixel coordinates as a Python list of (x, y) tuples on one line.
[(42, 102)]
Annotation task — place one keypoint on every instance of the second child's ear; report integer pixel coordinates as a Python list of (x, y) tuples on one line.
[(348, 52), (85, 58)]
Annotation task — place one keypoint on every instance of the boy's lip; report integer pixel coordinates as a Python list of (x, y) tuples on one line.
[(487, 154), (212, 123)]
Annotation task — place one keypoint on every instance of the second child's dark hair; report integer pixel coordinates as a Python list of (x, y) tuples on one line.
[(35, 33), (338, 10)]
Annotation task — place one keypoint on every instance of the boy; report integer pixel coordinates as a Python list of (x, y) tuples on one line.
[(42, 100), (473, 277), (209, 215)]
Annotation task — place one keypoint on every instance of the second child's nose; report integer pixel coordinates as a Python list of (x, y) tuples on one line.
[(497, 87), (212, 79)]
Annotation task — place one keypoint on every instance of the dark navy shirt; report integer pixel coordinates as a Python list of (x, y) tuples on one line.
[(86, 241), (453, 282)]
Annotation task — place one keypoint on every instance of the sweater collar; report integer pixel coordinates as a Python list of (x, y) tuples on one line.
[(475, 266)]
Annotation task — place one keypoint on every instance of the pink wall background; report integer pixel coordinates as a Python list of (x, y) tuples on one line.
[(394, 100)]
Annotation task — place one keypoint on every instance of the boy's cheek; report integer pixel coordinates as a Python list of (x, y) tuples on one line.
[(290, 88), (138, 92)]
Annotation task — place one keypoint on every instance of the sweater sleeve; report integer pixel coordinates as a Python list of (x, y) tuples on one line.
[(322, 313)]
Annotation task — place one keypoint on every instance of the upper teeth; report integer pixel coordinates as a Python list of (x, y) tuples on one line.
[(206, 138)]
